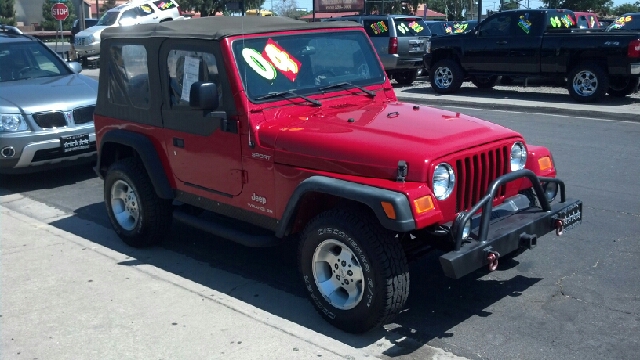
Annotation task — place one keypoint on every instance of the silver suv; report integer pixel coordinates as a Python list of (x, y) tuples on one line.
[(401, 41)]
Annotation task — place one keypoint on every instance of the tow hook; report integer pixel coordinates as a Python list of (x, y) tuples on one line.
[(492, 257), (559, 226)]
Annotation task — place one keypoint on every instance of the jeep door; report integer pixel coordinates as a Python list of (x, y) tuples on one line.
[(487, 51), (204, 154)]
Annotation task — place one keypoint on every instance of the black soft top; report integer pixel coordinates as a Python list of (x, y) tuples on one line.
[(217, 27)]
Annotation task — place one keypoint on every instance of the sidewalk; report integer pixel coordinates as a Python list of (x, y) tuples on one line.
[(532, 99), (66, 297)]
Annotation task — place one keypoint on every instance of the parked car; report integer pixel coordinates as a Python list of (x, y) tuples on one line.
[(586, 20), (525, 43), (400, 41), (626, 22), (87, 42), (76, 26), (265, 129), (46, 107)]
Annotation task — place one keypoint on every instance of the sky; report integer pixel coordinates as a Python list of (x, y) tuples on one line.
[(487, 4)]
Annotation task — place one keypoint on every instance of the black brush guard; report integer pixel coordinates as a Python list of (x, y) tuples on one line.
[(507, 234)]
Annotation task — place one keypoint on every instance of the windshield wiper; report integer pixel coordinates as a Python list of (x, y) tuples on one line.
[(348, 84), (288, 92)]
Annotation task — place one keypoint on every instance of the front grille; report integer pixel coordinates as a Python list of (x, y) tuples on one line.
[(48, 120), (56, 153), (80, 41), (476, 172), (83, 115)]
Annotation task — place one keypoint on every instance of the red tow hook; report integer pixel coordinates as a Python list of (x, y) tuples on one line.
[(559, 226), (493, 260)]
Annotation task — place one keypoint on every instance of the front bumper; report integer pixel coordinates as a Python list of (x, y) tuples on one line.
[(504, 235), (87, 50)]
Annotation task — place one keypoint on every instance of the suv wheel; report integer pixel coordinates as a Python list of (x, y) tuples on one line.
[(446, 76), (587, 83), (355, 271), (623, 86), (138, 215), (406, 77), (484, 82)]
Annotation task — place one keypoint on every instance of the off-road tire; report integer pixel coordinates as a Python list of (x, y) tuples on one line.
[(446, 76), (623, 87), (580, 83), (484, 82), (385, 272), (155, 214), (405, 78)]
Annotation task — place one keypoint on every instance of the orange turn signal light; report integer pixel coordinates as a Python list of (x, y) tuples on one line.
[(544, 163), (389, 210), (423, 204)]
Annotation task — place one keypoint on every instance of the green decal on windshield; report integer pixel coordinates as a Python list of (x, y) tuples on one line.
[(416, 26), (379, 27), (524, 23), (460, 27), (555, 22), (259, 64)]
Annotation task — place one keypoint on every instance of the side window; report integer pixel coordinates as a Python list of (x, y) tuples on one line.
[(376, 28), (186, 67), (128, 76), (560, 20), (529, 24), (497, 26), (144, 10)]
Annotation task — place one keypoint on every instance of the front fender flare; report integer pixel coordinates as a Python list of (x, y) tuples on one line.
[(365, 194)]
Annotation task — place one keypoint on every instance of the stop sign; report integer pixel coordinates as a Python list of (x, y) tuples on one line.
[(60, 11)]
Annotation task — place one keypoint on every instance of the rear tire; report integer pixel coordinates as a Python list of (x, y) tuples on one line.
[(621, 87), (137, 214), (406, 77), (587, 83), (446, 76), (354, 270), (484, 82)]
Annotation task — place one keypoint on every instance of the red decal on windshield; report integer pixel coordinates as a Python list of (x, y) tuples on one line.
[(282, 60)]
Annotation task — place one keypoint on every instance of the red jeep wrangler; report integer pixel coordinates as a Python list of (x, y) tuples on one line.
[(273, 129)]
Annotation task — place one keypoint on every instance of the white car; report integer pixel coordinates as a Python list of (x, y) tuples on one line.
[(87, 42)]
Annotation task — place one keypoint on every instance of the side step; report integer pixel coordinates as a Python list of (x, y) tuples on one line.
[(226, 231)]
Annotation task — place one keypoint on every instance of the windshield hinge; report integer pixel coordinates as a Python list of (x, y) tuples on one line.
[(402, 171)]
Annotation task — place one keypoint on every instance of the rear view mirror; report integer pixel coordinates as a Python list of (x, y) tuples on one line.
[(203, 96)]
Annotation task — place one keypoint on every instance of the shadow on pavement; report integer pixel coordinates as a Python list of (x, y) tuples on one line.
[(47, 179), (436, 304)]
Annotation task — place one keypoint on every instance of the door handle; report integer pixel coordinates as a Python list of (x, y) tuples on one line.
[(503, 42), (178, 143)]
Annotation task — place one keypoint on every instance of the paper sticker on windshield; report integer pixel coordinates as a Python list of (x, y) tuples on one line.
[(379, 27), (191, 72), (524, 23), (416, 26), (282, 60), (259, 64)]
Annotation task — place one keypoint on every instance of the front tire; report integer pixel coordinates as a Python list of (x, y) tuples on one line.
[(484, 82), (621, 87), (137, 214), (587, 83), (446, 76), (406, 78), (355, 271)]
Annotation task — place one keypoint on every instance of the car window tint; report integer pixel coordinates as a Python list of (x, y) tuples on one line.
[(558, 20), (497, 26), (411, 27), (128, 76), (529, 24), (186, 67), (626, 22), (376, 28)]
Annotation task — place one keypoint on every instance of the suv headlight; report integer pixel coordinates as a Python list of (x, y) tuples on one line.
[(518, 156), (12, 123), (443, 181), (90, 39)]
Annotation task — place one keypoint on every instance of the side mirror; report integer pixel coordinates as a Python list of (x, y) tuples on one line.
[(203, 96), (75, 66)]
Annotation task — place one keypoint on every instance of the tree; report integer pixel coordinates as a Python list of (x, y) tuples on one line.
[(106, 6), (50, 23), (598, 6), (7, 12), (454, 9), (626, 8)]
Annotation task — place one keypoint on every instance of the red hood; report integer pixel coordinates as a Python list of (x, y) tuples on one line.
[(369, 140)]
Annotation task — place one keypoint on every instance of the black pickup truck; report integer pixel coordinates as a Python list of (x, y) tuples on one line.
[(530, 43)]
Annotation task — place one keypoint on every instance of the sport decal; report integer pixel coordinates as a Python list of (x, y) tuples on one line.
[(259, 64), (283, 61), (524, 23), (379, 27)]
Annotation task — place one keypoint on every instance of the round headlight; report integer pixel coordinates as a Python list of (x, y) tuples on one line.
[(518, 156), (443, 181)]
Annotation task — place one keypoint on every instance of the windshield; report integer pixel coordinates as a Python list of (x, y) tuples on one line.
[(28, 60), (626, 22), (305, 63), (411, 27), (109, 18)]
